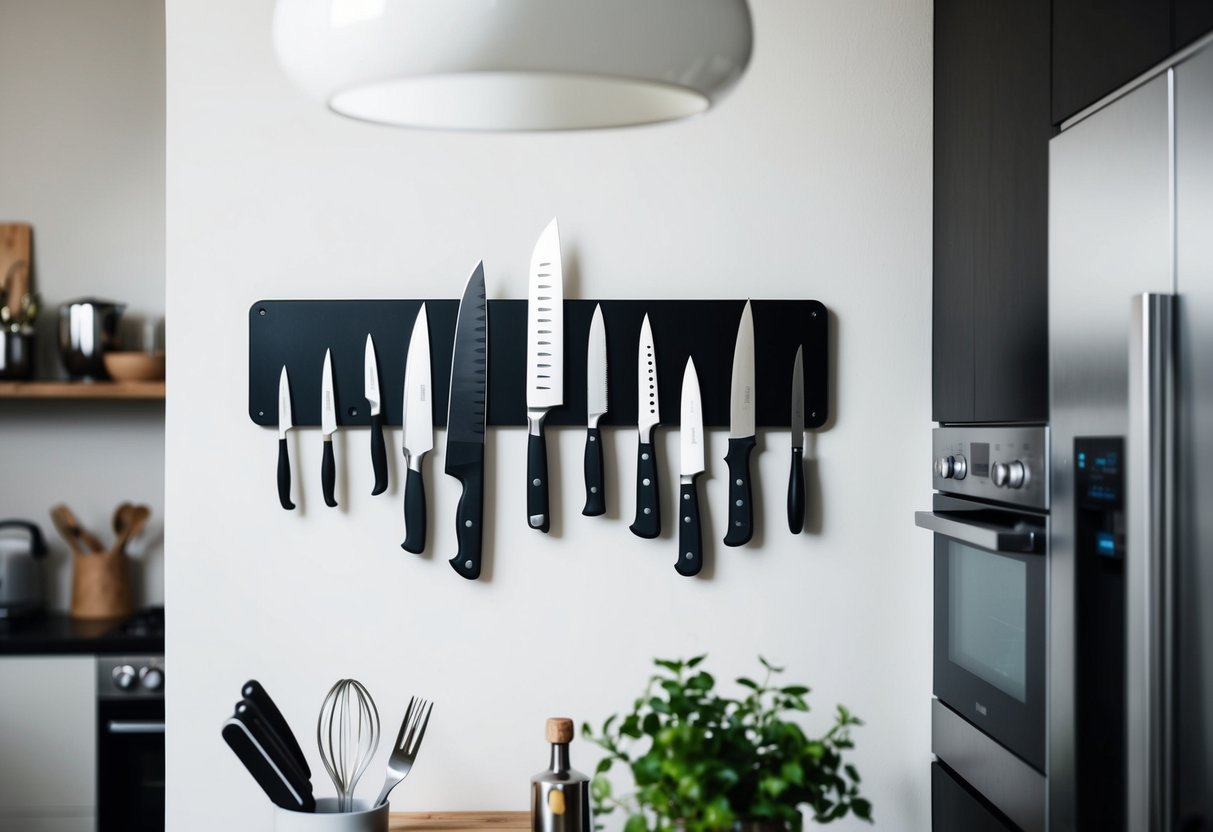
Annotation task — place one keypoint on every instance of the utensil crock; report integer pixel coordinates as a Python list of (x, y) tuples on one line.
[(326, 818)]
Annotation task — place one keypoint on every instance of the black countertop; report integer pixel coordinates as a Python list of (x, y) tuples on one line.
[(55, 634)]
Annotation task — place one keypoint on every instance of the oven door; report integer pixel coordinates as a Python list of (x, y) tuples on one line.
[(990, 618), (130, 765)]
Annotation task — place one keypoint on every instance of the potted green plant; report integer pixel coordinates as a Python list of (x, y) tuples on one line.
[(703, 762)]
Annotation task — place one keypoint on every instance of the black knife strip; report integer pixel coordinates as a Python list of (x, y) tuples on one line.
[(297, 332)]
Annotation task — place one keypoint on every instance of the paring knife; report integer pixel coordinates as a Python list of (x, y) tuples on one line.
[(253, 692), (544, 366), (741, 434), (328, 426), (691, 442), (596, 406), (418, 430), (648, 415), (796, 488), (465, 420), (370, 370), (285, 423), (275, 780)]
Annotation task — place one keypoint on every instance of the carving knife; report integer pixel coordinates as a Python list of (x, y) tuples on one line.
[(284, 424), (328, 426), (648, 415), (418, 430), (741, 434), (595, 406), (544, 366), (465, 420), (691, 465), (796, 487), (370, 370)]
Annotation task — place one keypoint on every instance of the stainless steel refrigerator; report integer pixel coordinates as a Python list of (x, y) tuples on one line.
[(1130, 718)]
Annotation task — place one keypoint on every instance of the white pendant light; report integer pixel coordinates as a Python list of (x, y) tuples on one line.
[(514, 64)]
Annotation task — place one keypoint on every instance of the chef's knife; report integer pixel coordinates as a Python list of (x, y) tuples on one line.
[(796, 487), (328, 426), (274, 780), (544, 366), (255, 693), (284, 424), (741, 434), (418, 430), (465, 421), (267, 737), (691, 442), (370, 370), (595, 406), (648, 415)]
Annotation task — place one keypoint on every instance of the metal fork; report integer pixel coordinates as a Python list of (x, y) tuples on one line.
[(408, 741)]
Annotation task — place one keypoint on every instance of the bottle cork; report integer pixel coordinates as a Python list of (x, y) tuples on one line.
[(559, 730)]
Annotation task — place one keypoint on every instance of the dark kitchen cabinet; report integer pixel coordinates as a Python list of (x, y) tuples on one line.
[(992, 129), (1100, 45)]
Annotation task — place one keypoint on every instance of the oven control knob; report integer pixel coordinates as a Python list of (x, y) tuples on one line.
[(151, 677), (951, 467), (1009, 474), (125, 677)]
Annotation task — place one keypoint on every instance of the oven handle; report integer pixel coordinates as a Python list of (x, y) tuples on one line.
[(119, 726), (1021, 539)]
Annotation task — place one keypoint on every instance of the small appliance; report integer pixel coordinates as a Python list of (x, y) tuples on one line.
[(20, 569)]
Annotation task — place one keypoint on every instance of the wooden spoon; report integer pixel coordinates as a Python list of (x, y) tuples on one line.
[(62, 518), (79, 532), (133, 521)]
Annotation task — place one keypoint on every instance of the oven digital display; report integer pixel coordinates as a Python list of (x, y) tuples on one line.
[(979, 458)]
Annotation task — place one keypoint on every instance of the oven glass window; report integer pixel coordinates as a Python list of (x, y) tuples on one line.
[(988, 617)]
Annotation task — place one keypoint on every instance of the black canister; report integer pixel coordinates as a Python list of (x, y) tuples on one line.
[(17, 353), (560, 796), (87, 328)]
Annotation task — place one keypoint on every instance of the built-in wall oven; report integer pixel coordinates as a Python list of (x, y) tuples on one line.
[(130, 744), (989, 719)]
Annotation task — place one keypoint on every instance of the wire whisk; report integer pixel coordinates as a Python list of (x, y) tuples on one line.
[(348, 735)]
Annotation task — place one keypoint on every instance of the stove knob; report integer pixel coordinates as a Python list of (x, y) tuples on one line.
[(1009, 474), (951, 467), (151, 677), (125, 677)]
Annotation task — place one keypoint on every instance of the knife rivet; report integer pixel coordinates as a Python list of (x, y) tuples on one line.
[(689, 556), (260, 412), (740, 503), (467, 564), (645, 481), (593, 438), (593, 489), (467, 523), (739, 483), (644, 456), (536, 481), (686, 496), (648, 511), (686, 519)]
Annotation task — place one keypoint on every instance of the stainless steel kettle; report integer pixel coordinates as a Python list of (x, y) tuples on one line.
[(20, 570)]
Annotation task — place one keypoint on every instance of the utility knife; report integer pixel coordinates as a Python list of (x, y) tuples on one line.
[(796, 487), (370, 370), (691, 465), (544, 367), (648, 415), (328, 426), (465, 421), (741, 434), (595, 406), (418, 430), (284, 424)]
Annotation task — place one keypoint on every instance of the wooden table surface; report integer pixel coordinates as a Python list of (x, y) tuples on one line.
[(458, 821)]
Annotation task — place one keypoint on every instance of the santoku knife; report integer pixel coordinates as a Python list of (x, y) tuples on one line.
[(741, 434), (371, 384), (418, 430), (544, 366), (465, 420), (328, 426), (648, 415), (595, 406), (796, 486), (284, 424), (691, 465)]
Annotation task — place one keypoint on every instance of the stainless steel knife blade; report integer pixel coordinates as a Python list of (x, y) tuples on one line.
[(328, 400), (691, 442), (741, 396), (285, 418), (648, 403), (285, 423), (796, 478), (370, 383), (370, 372), (418, 407), (798, 400), (647, 523), (596, 370), (545, 366)]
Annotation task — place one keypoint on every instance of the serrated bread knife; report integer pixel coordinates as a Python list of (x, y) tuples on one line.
[(328, 426), (691, 465), (647, 523), (418, 430), (544, 366), (596, 407), (284, 424), (370, 370), (465, 421), (741, 434)]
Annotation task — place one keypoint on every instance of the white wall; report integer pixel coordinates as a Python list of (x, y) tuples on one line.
[(82, 160), (812, 181)]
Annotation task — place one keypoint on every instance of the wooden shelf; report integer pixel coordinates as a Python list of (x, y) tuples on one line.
[(97, 390)]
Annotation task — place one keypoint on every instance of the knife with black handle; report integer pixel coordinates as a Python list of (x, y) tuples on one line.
[(690, 536), (269, 739), (796, 485), (647, 523), (285, 423), (371, 385), (692, 463), (256, 694), (276, 782), (328, 473), (596, 408), (469, 519), (544, 367), (741, 434), (418, 424), (328, 426)]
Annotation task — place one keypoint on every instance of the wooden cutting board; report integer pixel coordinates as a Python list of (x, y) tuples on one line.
[(15, 251)]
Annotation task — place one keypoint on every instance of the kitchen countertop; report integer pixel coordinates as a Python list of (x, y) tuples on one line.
[(56, 634), (458, 821)]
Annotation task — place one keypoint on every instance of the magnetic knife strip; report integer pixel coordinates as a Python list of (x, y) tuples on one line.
[(296, 333)]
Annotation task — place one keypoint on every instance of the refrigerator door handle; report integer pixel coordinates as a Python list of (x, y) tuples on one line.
[(1150, 564)]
